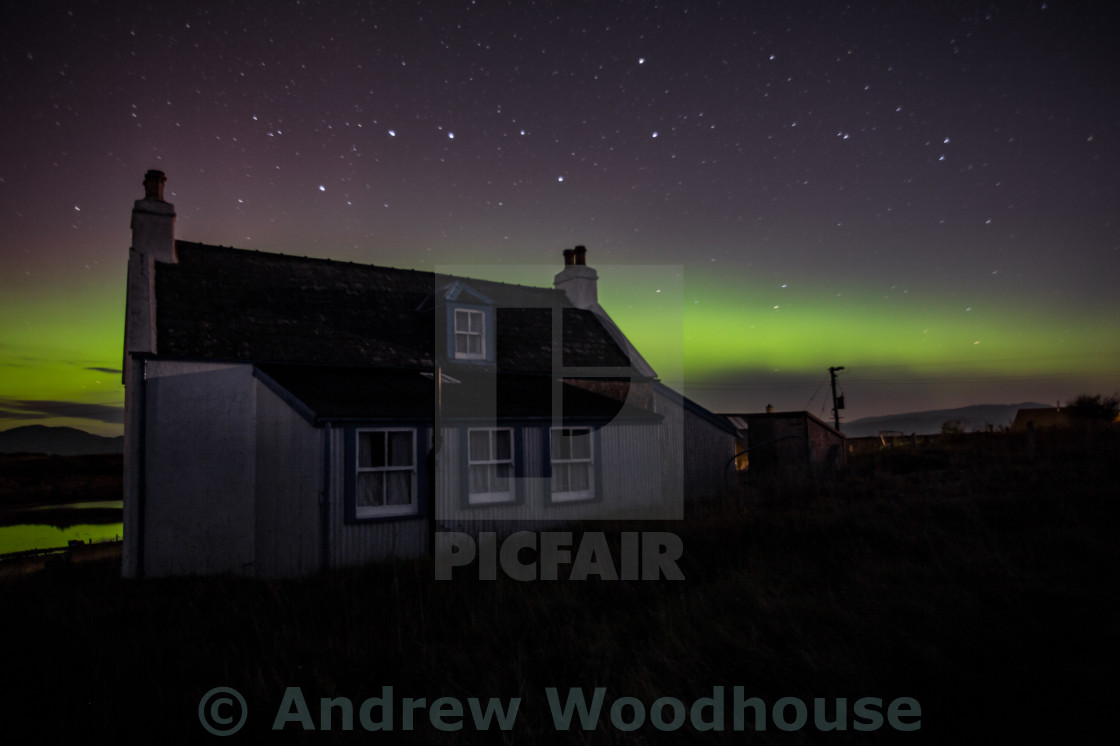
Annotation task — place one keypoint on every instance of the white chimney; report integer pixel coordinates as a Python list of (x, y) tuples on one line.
[(153, 221), (153, 240), (580, 282)]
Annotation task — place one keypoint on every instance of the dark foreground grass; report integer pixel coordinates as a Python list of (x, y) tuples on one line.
[(978, 578)]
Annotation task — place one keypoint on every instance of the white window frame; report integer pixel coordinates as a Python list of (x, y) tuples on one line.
[(385, 510), (490, 464), (566, 465), (467, 334)]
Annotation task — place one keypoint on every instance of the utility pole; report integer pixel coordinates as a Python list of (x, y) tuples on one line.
[(837, 404)]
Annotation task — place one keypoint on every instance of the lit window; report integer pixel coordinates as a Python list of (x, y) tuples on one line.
[(490, 465), (470, 334), (385, 483), (573, 477)]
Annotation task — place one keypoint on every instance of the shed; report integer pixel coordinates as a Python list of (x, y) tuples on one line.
[(782, 443)]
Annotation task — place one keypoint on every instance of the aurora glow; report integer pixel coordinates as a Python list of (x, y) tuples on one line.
[(924, 196)]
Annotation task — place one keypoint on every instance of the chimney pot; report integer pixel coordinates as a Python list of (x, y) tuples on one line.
[(577, 280), (153, 185)]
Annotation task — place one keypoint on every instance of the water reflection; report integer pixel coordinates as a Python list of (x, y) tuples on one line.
[(55, 526), (41, 536)]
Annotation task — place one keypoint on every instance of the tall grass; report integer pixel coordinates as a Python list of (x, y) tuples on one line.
[(977, 576)]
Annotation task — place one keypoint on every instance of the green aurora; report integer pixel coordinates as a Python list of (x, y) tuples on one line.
[(725, 343)]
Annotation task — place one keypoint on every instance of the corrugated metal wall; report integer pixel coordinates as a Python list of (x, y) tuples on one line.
[(235, 479), (694, 451), (199, 456), (360, 543), (707, 453), (629, 466), (670, 405), (288, 484), (632, 457)]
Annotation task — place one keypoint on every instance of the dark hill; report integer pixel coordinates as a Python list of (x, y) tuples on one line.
[(59, 441), (976, 417)]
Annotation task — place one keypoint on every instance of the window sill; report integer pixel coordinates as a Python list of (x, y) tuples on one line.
[(375, 515), (564, 498), (480, 499)]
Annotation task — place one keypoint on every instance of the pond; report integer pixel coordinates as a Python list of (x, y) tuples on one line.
[(37, 530)]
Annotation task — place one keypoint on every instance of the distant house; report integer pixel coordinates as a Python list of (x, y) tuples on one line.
[(1039, 418), (285, 414), (787, 443)]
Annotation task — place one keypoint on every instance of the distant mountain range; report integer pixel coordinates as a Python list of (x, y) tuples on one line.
[(976, 417), (60, 441), (68, 441)]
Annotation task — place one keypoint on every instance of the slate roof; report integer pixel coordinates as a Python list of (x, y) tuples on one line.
[(332, 393), (748, 417), (232, 304)]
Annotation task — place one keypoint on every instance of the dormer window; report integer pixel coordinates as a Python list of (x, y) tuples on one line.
[(465, 319), (470, 334)]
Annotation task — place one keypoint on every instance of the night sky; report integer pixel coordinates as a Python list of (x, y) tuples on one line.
[(924, 193)]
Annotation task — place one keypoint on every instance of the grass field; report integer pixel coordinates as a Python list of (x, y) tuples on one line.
[(977, 576)]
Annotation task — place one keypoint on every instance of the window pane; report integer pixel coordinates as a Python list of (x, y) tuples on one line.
[(560, 478), (371, 492), (561, 445), (371, 450), (400, 448), (461, 344), (581, 445), (476, 322), (502, 474), (474, 345), (364, 447), (502, 445), (462, 321), (580, 477), (479, 445), (479, 480), (398, 488)]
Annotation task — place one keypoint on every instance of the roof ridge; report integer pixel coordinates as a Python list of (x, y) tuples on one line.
[(343, 262)]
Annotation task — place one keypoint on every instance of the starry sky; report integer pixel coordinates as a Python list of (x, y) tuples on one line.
[(922, 192)]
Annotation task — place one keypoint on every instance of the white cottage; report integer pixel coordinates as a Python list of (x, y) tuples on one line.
[(286, 415)]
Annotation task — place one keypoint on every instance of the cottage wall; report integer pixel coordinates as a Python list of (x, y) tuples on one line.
[(195, 495), (695, 451), (131, 554), (632, 458), (708, 450), (288, 488), (670, 405)]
